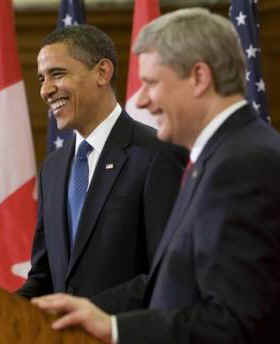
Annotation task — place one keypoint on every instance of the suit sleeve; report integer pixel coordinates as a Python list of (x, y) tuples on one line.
[(39, 278), (236, 245), (160, 192), (124, 297)]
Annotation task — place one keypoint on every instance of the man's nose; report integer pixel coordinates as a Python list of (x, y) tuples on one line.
[(143, 99), (48, 88)]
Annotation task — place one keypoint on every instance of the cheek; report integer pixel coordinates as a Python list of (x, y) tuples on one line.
[(157, 93), (172, 119), (165, 96)]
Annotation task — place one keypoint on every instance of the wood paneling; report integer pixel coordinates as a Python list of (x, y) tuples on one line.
[(33, 25)]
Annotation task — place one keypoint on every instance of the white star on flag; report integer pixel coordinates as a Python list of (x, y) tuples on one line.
[(246, 11), (67, 20), (71, 13), (241, 19), (58, 142), (251, 51), (256, 106), (260, 85)]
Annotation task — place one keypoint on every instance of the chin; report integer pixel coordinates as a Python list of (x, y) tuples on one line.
[(62, 124), (163, 136)]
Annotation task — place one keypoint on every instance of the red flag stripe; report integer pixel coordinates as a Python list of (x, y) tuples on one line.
[(9, 61), (144, 12), (17, 223), (17, 173)]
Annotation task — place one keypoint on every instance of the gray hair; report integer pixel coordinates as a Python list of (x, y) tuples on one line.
[(187, 36), (86, 43)]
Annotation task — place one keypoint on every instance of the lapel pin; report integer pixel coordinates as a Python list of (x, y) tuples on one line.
[(109, 166)]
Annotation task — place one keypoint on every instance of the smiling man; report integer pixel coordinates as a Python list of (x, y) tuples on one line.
[(215, 276), (100, 219), (71, 89)]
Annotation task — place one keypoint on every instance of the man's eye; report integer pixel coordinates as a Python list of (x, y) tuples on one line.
[(151, 83), (58, 75)]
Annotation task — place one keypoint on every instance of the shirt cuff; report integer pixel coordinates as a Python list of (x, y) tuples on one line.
[(115, 333)]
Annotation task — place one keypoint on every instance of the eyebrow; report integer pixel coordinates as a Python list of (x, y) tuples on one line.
[(147, 79)]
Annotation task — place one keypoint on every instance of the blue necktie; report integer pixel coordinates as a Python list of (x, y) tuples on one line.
[(77, 188)]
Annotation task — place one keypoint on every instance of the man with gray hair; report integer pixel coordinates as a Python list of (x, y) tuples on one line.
[(216, 275)]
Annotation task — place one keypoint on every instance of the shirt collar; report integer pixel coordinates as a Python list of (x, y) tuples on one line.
[(211, 128), (99, 135)]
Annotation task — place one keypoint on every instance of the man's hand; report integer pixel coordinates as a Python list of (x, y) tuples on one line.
[(77, 311)]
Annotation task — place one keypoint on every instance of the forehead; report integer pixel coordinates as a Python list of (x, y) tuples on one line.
[(53, 55), (151, 66), (149, 60)]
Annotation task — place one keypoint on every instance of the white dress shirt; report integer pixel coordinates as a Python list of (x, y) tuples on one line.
[(97, 139), (211, 128)]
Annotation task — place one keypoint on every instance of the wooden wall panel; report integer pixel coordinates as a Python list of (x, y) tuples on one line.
[(33, 25)]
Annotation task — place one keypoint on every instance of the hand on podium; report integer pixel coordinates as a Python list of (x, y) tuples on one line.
[(23, 323), (76, 311)]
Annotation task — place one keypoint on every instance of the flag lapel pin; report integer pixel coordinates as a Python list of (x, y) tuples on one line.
[(109, 166)]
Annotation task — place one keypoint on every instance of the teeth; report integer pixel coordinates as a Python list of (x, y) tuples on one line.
[(57, 105)]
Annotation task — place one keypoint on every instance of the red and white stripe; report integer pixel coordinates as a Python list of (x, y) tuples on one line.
[(144, 12), (17, 164)]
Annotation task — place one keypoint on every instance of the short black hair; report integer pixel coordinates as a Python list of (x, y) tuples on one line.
[(86, 43)]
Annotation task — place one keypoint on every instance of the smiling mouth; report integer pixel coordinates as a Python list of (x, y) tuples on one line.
[(57, 105)]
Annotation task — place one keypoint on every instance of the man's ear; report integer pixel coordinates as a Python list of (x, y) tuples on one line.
[(105, 70), (202, 78)]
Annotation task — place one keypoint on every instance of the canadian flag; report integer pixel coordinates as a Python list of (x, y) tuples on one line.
[(144, 12), (17, 164)]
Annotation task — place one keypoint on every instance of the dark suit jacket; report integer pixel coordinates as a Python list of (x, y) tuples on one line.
[(216, 274), (122, 220)]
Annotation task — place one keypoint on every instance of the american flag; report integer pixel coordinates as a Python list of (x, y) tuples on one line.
[(71, 12), (244, 15)]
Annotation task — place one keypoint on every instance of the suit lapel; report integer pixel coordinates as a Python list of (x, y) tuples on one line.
[(182, 203), (113, 155), (233, 123)]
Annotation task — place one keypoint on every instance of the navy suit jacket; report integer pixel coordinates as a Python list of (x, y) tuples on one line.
[(122, 220), (216, 274)]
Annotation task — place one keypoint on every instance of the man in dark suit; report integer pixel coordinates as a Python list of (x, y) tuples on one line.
[(130, 176), (216, 274)]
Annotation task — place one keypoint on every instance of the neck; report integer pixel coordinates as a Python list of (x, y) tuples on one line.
[(107, 106), (211, 109)]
